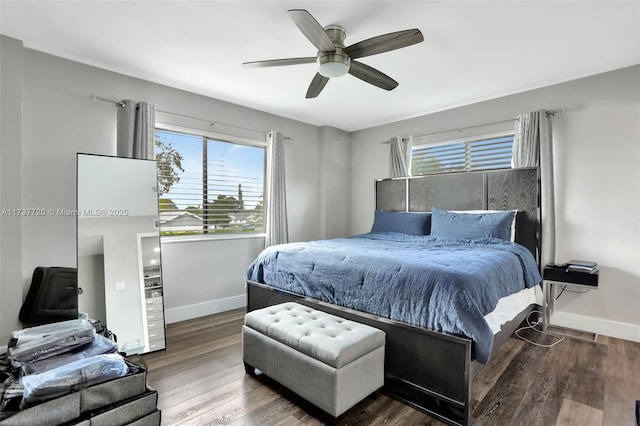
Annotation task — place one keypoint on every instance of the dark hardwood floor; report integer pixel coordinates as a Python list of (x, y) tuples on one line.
[(201, 381)]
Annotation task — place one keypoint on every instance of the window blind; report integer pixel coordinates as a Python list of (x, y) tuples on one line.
[(454, 156)]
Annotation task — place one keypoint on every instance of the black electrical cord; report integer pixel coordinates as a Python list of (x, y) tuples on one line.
[(571, 291)]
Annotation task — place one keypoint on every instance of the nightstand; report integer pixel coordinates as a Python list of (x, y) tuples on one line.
[(559, 275)]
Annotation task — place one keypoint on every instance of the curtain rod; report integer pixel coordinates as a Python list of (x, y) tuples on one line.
[(122, 104), (117, 103), (552, 113)]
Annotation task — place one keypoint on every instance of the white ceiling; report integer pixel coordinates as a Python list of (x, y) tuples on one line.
[(473, 50)]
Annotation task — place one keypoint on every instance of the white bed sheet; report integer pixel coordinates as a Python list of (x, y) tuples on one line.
[(510, 306)]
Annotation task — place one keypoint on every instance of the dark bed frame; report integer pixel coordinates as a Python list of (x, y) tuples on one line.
[(429, 370)]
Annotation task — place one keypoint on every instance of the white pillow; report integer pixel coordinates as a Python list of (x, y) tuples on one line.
[(513, 224)]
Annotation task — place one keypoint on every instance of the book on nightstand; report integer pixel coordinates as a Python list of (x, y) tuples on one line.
[(582, 266)]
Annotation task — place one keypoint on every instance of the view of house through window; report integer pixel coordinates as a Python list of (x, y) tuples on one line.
[(208, 186), (482, 153)]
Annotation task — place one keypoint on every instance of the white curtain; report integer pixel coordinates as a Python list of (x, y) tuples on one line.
[(136, 130), (276, 212), (526, 140), (533, 147), (400, 156)]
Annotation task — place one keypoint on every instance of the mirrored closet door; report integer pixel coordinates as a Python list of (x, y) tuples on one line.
[(119, 259)]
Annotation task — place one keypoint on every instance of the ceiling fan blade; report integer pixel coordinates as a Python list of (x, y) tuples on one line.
[(316, 86), (281, 62), (384, 43), (372, 76), (312, 30)]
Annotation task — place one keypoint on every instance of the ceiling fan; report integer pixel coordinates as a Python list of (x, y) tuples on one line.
[(335, 60)]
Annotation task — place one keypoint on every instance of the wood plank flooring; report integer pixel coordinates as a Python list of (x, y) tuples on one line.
[(201, 380)]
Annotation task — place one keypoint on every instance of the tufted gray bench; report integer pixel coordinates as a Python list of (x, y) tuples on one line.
[(331, 362)]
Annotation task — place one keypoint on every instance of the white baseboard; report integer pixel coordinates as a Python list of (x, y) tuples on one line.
[(600, 326), (209, 307)]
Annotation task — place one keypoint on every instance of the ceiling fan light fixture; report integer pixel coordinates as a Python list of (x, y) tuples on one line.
[(333, 65), (333, 69)]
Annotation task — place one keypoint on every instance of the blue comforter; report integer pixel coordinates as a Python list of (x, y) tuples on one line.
[(445, 284)]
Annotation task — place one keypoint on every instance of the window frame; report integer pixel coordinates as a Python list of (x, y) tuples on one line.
[(222, 137), (464, 139)]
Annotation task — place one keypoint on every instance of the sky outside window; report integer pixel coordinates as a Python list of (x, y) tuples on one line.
[(229, 165)]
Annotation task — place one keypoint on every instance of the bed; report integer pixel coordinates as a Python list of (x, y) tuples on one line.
[(436, 341)]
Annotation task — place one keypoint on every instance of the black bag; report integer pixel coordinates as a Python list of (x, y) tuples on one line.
[(52, 296)]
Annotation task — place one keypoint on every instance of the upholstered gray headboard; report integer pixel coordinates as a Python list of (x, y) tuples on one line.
[(480, 190)]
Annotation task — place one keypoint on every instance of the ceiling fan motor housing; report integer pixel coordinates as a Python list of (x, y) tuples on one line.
[(336, 63), (337, 34)]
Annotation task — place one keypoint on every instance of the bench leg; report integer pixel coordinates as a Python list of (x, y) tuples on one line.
[(376, 394), (249, 369)]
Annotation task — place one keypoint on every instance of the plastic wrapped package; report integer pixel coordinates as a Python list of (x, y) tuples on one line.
[(44, 341), (71, 377), (11, 392), (100, 345), (10, 388)]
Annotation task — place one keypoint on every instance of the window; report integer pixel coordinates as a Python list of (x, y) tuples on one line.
[(480, 153), (208, 185)]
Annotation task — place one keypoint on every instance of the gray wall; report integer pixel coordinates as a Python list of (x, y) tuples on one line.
[(335, 194), (597, 179), (48, 116), (10, 185), (91, 280)]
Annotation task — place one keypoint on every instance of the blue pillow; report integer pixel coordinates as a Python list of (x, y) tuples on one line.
[(403, 222), (461, 225)]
